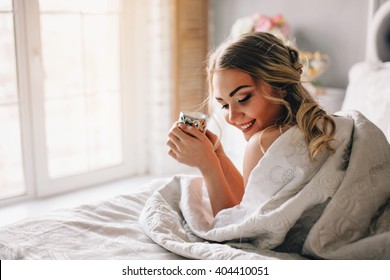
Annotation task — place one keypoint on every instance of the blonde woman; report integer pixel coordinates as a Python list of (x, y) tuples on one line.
[(257, 82)]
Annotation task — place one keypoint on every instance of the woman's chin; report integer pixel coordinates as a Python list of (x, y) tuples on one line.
[(248, 135), (250, 132)]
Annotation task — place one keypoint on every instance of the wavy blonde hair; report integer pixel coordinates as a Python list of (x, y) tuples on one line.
[(268, 60)]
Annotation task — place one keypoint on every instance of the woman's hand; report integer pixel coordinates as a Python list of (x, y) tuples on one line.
[(191, 147), (223, 181), (216, 142)]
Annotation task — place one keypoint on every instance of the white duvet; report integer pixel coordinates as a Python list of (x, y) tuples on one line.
[(334, 208)]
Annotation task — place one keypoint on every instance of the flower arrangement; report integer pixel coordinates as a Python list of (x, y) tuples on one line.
[(314, 63), (276, 25)]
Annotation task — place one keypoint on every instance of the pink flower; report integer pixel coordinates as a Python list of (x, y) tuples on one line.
[(278, 20), (276, 25), (264, 24)]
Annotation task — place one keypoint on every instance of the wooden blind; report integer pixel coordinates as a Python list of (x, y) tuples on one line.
[(190, 47)]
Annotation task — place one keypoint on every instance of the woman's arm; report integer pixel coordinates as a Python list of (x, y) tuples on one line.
[(231, 173), (223, 193), (191, 147)]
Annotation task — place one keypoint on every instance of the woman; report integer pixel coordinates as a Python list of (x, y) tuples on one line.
[(257, 82)]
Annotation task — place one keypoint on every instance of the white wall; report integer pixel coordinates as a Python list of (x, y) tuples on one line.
[(335, 27)]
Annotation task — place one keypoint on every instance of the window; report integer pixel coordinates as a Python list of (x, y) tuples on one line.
[(82, 83), (12, 179), (64, 95), (82, 90)]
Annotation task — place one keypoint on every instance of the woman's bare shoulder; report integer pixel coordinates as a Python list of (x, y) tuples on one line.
[(263, 139), (256, 147)]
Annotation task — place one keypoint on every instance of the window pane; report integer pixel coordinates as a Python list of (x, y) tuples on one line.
[(104, 148), (88, 6), (63, 73), (6, 5), (11, 165), (102, 53), (82, 86), (8, 80), (66, 135), (83, 134)]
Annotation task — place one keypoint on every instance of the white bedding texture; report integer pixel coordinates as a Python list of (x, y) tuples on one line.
[(103, 230)]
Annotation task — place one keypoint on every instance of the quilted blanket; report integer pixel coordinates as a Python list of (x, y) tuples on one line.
[(336, 207)]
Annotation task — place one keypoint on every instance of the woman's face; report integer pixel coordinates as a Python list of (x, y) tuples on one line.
[(244, 105)]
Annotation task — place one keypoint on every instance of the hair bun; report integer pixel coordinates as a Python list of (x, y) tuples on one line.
[(294, 59)]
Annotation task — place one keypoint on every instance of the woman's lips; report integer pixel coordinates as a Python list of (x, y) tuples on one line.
[(247, 126)]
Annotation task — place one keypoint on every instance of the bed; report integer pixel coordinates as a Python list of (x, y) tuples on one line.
[(299, 218)]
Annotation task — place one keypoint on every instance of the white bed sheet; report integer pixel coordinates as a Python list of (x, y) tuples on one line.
[(104, 230)]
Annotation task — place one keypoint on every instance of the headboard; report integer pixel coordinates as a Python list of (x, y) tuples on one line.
[(368, 88), (378, 37)]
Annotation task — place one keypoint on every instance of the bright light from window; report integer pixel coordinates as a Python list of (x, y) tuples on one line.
[(81, 57), (11, 163)]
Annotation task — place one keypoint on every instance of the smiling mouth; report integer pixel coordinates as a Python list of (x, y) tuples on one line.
[(246, 126)]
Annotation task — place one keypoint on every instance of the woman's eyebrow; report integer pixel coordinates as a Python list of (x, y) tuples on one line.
[(234, 91), (237, 89)]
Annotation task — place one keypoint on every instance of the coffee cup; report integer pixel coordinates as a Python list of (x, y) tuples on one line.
[(195, 119)]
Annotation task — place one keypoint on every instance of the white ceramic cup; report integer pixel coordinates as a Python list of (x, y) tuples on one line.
[(195, 119)]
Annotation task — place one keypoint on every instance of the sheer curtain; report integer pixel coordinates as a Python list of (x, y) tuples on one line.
[(159, 101), (179, 29)]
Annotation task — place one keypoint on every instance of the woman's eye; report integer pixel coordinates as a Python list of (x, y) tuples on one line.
[(245, 99), (226, 106)]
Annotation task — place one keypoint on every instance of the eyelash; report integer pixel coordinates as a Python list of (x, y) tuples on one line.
[(245, 99), (241, 101)]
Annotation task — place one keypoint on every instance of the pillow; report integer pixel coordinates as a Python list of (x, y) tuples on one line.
[(368, 91)]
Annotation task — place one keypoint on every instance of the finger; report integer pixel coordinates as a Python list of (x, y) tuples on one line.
[(172, 154), (211, 136), (175, 124), (175, 156), (181, 137), (172, 146), (194, 132), (178, 131), (176, 135), (172, 136)]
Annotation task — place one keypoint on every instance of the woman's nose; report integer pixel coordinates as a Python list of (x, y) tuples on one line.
[(234, 115)]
